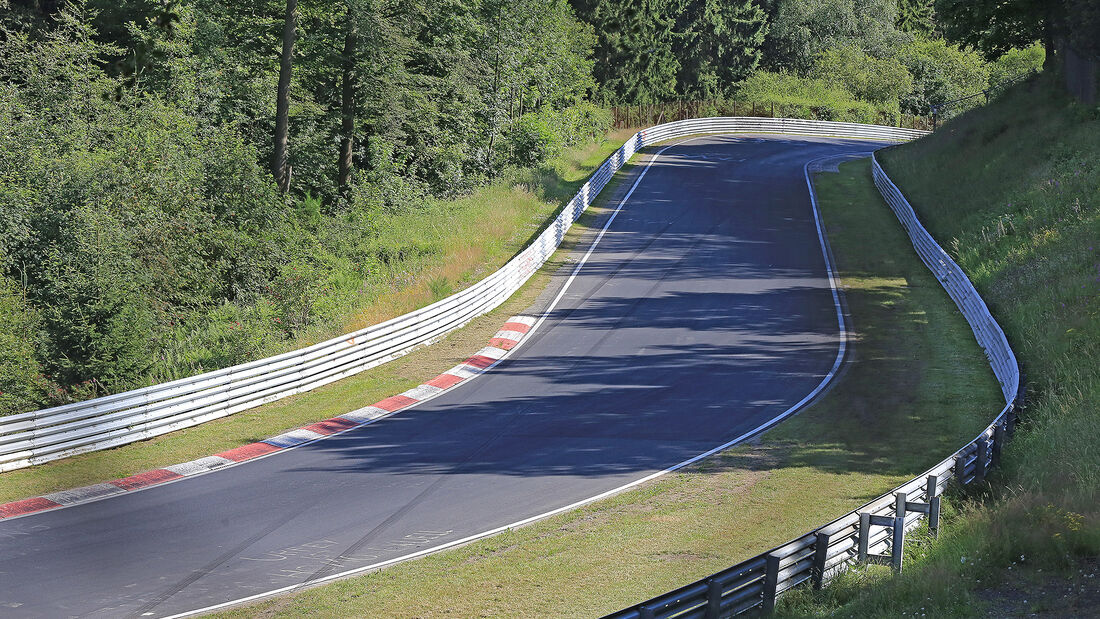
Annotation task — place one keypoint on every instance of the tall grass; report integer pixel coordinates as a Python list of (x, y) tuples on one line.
[(404, 260), (1013, 192)]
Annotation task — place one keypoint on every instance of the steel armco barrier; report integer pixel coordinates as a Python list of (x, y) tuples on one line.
[(874, 533), (40, 436)]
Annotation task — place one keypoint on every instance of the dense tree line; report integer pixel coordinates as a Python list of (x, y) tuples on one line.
[(168, 164), (186, 183), (880, 56)]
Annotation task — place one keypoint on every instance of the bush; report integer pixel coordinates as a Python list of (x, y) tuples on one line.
[(941, 72), (532, 140), (880, 81), (806, 98), (582, 122), (1016, 62), (21, 384)]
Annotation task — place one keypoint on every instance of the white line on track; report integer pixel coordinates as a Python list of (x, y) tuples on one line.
[(841, 350)]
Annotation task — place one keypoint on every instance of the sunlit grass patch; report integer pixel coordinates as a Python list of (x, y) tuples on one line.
[(885, 420)]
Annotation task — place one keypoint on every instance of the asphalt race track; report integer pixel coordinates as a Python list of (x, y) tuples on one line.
[(704, 311)]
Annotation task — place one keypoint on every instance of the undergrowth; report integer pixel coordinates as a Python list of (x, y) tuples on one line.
[(1012, 190)]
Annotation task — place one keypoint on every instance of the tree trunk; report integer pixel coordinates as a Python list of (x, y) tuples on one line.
[(347, 104), (279, 167)]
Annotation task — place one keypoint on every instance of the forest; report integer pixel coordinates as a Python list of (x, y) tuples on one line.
[(190, 184)]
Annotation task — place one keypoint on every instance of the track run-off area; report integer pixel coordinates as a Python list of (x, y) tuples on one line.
[(703, 311)]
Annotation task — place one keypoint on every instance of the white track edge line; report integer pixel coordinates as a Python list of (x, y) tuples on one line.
[(464, 381), (843, 337)]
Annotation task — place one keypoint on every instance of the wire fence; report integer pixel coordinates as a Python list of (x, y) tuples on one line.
[(950, 109), (874, 533)]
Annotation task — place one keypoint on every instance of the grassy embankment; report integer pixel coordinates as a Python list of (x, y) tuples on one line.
[(1013, 191), (470, 238), (916, 388)]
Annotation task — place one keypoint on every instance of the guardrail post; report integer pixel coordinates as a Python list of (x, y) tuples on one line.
[(771, 582), (821, 555), (646, 612), (714, 599), (932, 491), (897, 545), (864, 535), (982, 464), (960, 469), (998, 442)]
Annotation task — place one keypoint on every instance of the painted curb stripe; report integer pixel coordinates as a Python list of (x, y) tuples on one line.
[(331, 426), (201, 465), (505, 339), (464, 371), (26, 506), (395, 403), (480, 362), (444, 381), (365, 414), (247, 452), (87, 493), (146, 479), (292, 438), (422, 392), (523, 320)]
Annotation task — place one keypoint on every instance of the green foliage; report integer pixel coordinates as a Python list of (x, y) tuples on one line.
[(658, 50), (877, 80), (806, 98), (801, 29), (916, 16), (532, 140), (125, 217), (22, 386), (1011, 190), (994, 26), (941, 72), (1016, 62), (721, 45)]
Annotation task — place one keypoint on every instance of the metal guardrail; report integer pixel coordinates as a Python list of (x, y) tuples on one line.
[(41, 436), (874, 533)]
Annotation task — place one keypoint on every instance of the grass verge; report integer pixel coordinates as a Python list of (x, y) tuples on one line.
[(480, 233), (916, 387), (1013, 192)]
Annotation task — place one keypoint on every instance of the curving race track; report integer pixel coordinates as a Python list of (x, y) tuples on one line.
[(703, 312)]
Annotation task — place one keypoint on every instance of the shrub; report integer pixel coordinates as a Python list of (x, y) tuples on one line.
[(1016, 62), (880, 81), (21, 384), (805, 98), (941, 72), (532, 140)]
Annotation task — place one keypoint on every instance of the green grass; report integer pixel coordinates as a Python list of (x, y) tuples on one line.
[(505, 216), (1012, 190), (886, 420)]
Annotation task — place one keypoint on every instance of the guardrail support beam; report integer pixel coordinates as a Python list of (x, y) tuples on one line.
[(714, 599), (821, 555), (932, 490), (771, 582), (982, 464)]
